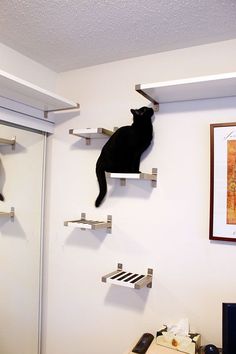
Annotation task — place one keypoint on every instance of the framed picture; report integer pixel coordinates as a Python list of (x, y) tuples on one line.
[(223, 182)]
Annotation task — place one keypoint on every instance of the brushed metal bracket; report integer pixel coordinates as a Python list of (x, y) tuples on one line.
[(155, 104), (10, 214), (123, 182), (154, 180), (11, 142), (119, 266), (156, 107)]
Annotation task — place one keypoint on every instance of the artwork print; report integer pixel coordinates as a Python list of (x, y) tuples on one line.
[(223, 182), (231, 182)]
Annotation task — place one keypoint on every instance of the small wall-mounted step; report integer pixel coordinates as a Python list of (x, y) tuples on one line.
[(142, 176), (11, 141), (9, 214), (92, 133), (85, 224), (128, 279)]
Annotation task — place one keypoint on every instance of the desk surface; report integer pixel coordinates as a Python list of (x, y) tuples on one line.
[(155, 349)]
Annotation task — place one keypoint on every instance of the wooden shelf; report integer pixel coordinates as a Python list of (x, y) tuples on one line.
[(140, 176), (21, 91), (85, 224), (197, 88), (128, 279), (9, 214), (91, 133), (11, 141)]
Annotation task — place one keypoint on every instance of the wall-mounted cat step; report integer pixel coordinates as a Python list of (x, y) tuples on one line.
[(85, 224), (128, 279), (9, 214), (142, 176), (11, 141), (92, 133)]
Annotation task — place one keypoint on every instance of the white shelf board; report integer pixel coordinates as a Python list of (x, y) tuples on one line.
[(79, 224), (91, 133), (124, 175), (197, 88), (128, 279), (24, 92), (137, 176), (146, 176), (85, 224)]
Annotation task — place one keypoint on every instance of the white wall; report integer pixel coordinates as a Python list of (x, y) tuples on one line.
[(25, 68), (165, 228)]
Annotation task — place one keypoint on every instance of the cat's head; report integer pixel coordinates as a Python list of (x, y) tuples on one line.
[(143, 112)]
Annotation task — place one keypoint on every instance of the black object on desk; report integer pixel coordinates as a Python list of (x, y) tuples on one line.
[(211, 349), (229, 328), (143, 344)]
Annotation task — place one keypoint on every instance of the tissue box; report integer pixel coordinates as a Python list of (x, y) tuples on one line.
[(185, 344)]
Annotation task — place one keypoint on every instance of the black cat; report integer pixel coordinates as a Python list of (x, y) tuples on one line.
[(123, 150)]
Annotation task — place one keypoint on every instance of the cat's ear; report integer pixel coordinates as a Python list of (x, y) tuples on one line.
[(133, 111)]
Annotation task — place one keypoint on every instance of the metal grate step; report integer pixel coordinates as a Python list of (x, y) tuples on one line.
[(129, 279)]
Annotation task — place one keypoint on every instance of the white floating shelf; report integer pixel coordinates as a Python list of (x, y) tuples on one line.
[(85, 224), (91, 133), (11, 141), (128, 279), (9, 214), (21, 91), (197, 88), (140, 176)]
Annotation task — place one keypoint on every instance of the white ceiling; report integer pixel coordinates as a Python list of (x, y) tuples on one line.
[(70, 34)]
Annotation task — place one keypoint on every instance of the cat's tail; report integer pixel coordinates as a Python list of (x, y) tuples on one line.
[(102, 183), (1, 197)]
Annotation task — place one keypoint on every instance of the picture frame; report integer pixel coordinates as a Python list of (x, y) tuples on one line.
[(223, 182)]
